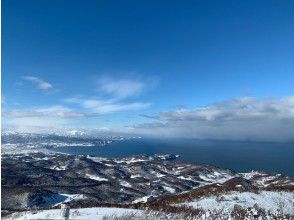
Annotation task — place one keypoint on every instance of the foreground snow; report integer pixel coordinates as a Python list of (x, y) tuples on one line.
[(269, 201), (85, 213), (276, 205)]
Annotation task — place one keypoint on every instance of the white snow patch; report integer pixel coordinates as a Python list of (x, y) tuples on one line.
[(125, 184), (265, 181), (215, 177), (97, 178), (135, 176), (59, 167), (169, 189), (97, 159), (267, 200), (159, 175), (71, 197), (251, 174), (132, 160), (185, 178), (142, 199)]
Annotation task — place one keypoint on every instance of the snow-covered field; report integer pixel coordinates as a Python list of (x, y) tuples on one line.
[(85, 213), (270, 201)]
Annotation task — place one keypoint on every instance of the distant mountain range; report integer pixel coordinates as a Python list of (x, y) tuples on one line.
[(28, 142)]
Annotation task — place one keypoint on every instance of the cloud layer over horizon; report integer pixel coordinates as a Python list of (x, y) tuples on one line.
[(245, 118)]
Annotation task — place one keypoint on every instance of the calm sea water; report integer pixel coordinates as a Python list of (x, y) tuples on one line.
[(238, 156)]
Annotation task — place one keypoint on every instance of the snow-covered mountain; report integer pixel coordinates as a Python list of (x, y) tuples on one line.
[(38, 180), (33, 177), (29, 142)]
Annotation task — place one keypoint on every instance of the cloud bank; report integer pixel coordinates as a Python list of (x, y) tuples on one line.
[(244, 118), (30, 120)]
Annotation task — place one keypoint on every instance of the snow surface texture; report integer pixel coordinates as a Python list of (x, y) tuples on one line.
[(270, 201), (85, 213), (135, 214)]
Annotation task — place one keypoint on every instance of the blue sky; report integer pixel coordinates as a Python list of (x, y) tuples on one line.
[(106, 63)]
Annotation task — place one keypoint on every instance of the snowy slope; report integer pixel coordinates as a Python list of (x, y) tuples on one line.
[(270, 201), (85, 213)]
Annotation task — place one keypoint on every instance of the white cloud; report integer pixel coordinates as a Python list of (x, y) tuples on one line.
[(53, 111), (41, 84), (41, 118), (107, 106), (244, 118), (115, 93), (120, 88), (114, 107)]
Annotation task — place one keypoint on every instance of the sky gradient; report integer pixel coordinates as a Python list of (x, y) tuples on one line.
[(116, 64)]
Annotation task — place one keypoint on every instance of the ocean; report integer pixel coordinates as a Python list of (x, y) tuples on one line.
[(240, 156)]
